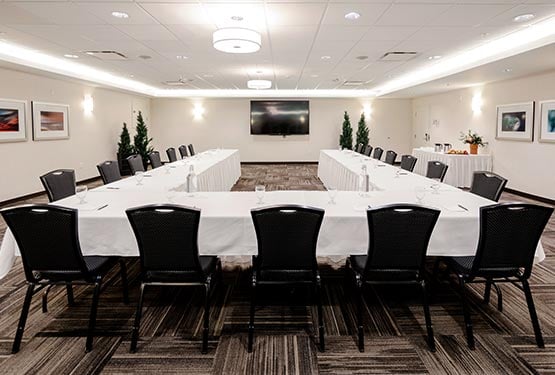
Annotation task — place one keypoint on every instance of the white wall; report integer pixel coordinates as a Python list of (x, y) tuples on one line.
[(527, 165), (225, 123), (92, 138)]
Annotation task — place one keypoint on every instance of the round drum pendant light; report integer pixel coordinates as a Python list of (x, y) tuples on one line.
[(236, 40)]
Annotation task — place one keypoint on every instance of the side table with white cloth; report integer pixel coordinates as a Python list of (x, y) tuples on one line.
[(460, 167)]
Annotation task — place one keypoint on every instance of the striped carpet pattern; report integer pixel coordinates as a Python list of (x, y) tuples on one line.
[(54, 342)]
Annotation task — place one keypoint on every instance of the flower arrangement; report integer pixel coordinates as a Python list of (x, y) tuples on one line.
[(472, 138)]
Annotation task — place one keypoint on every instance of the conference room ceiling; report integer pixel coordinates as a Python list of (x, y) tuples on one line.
[(171, 40)]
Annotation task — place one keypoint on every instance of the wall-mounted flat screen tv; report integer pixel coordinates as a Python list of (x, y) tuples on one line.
[(279, 117)]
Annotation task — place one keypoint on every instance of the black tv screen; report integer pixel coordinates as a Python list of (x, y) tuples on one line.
[(279, 117)]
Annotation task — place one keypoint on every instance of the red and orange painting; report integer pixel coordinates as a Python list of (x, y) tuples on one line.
[(9, 120), (51, 121)]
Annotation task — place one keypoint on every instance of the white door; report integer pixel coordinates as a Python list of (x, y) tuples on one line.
[(421, 126)]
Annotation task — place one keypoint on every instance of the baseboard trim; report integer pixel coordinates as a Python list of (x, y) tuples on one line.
[(39, 193), (278, 162), (531, 196)]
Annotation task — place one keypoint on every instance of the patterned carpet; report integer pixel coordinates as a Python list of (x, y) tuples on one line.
[(170, 334)]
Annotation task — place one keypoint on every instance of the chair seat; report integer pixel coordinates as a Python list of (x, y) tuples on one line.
[(286, 275), (358, 263), (208, 264), (463, 266), (96, 265)]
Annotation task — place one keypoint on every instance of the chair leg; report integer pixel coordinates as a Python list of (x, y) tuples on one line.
[(206, 319), (69, 290), (92, 319), (23, 318), (466, 313), (320, 315), (360, 330), (123, 273), (533, 315), (487, 291), (499, 297), (45, 298), (251, 319), (427, 316), (137, 324)]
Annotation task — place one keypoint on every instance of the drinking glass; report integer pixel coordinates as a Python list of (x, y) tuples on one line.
[(397, 172), (435, 186), (260, 190), (420, 192), (139, 177), (170, 193), (167, 168), (332, 193), (81, 192)]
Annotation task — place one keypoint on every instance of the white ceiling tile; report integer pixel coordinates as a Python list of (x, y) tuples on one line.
[(335, 32), (506, 18), (253, 15), (103, 10), (11, 14), (61, 13), (369, 13), (147, 32), (469, 15), (177, 14), (411, 14), (289, 14), (390, 32)]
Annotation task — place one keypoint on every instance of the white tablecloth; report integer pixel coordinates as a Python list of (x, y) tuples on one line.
[(217, 170), (461, 167)]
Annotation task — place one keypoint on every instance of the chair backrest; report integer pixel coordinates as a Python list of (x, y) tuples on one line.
[(408, 162), (378, 151), (167, 236), (360, 146), (509, 236), (59, 184), (287, 236), (47, 237), (183, 151), (109, 171), (368, 150), (399, 236), (172, 156), (191, 150), (390, 157), (136, 163), (155, 160), (488, 185), (436, 169)]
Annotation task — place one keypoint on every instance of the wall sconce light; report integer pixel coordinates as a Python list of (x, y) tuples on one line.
[(88, 104), (198, 111), (367, 110), (477, 103)]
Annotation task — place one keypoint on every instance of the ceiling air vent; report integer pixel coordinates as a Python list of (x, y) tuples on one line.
[(180, 82), (353, 83), (398, 56), (107, 55)]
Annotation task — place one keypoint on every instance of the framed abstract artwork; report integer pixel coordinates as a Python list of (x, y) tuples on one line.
[(12, 121), (515, 122), (50, 121), (547, 121)]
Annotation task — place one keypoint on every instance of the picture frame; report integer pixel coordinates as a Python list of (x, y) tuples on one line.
[(515, 122), (50, 121), (547, 121), (13, 124)]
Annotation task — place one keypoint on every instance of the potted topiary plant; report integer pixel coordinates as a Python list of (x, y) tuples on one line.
[(362, 132), (124, 150), (141, 141), (474, 140), (346, 136)]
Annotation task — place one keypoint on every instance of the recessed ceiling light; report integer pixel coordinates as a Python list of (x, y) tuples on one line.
[(145, 57), (131, 76), (483, 35), (70, 56), (435, 57), (507, 70), (351, 16), (259, 84), (524, 17), (208, 75), (362, 57), (237, 18), (314, 75), (181, 57), (120, 14), (236, 40), (325, 57)]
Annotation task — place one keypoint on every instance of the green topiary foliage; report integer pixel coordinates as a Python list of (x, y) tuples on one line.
[(124, 145), (346, 137), (141, 141), (362, 131)]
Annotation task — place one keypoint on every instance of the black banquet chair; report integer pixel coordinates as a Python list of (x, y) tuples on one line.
[(191, 149), (109, 171), (167, 239), (390, 157), (378, 151), (136, 163), (183, 151), (399, 236), (437, 170), (48, 239), (59, 184), (368, 150), (408, 162), (509, 236), (360, 147), (172, 156), (488, 185), (287, 236), (155, 160)]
